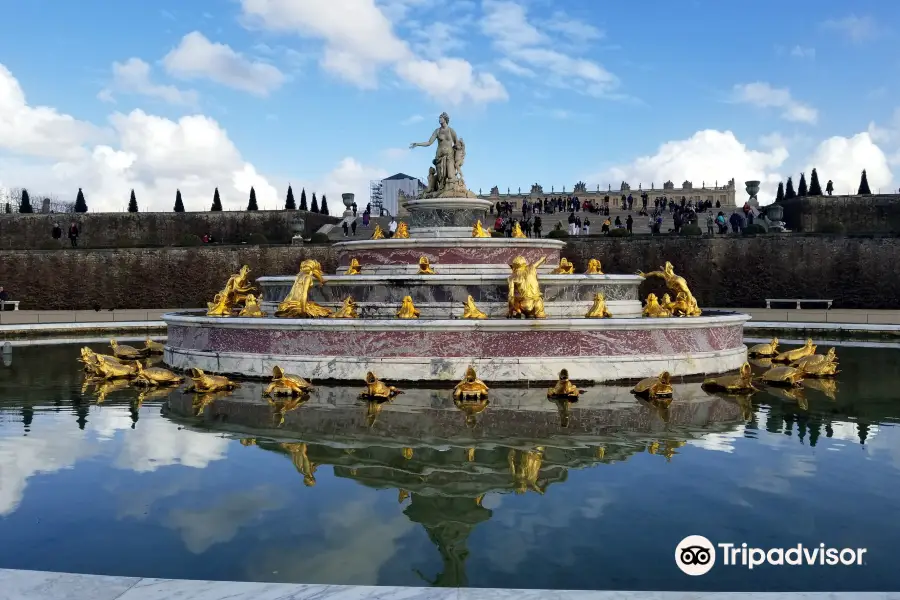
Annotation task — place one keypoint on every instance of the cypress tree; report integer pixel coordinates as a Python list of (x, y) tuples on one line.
[(779, 196), (863, 186), (324, 208), (25, 204), (179, 205), (132, 203), (303, 199), (80, 204), (315, 204), (801, 187), (789, 192), (289, 203), (217, 202), (251, 205), (8, 208), (815, 189)]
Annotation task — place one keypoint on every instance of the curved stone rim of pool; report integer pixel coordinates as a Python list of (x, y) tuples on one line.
[(501, 350)]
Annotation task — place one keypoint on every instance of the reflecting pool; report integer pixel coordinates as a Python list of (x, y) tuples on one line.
[(525, 493)]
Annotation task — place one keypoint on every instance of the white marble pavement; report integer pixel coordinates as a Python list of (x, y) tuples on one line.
[(41, 585)]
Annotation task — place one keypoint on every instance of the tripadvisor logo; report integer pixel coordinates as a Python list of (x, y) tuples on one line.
[(696, 555)]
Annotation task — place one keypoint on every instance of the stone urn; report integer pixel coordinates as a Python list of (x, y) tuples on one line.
[(348, 204), (752, 188), (774, 216)]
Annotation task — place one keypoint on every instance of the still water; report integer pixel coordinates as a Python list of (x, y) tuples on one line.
[(526, 494)]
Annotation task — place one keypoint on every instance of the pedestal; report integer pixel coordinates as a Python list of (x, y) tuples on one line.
[(445, 217)]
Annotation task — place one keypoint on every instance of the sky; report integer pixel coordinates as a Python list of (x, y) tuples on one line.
[(162, 95)]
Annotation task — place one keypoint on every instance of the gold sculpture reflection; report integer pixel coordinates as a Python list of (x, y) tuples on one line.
[(252, 307), (124, 352), (791, 394), (153, 348), (564, 268), (407, 309), (282, 405), (233, 294), (764, 350), (402, 232), (297, 303), (762, 363), (407, 453), (524, 297), (376, 389), (517, 231), (301, 461), (598, 310), (783, 376), (525, 468), (819, 370), (470, 454), (471, 408), (789, 356), (105, 387), (593, 267), (654, 387), (425, 267), (201, 401), (402, 496), (732, 384), (152, 394), (373, 409), (826, 386), (378, 233), (564, 388), (470, 311), (669, 448), (354, 268), (815, 359), (155, 376), (470, 388), (677, 285), (563, 410), (348, 310), (202, 383), (286, 385), (478, 230), (654, 309)]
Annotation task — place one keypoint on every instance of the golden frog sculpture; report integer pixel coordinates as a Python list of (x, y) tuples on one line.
[(252, 307), (517, 231), (297, 303), (402, 232), (741, 383), (654, 387), (378, 390), (378, 233), (524, 297), (564, 388), (815, 359), (152, 348), (790, 356), (478, 230), (234, 293), (425, 267), (408, 309), (124, 352), (667, 304), (470, 388), (654, 309), (348, 310), (114, 370), (470, 311), (564, 268), (764, 350), (354, 268), (154, 376), (525, 468), (783, 376), (598, 310), (676, 285), (209, 384), (593, 267), (286, 385)]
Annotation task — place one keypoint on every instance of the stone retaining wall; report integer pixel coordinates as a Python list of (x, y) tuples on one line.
[(878, 213)]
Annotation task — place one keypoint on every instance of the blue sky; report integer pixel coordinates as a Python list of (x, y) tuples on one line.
[(232, 93)]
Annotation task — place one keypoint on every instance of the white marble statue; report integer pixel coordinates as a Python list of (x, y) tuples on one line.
[(445, 178)]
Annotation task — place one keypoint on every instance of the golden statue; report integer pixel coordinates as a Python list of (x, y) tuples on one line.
[(354, 267), (783, 376), (470, 388), (286, 385), (304, 466), (252, 307), (154, 376), (247, 442), (654, 309), (478, 230), (564, 388), (235, 292), (654, 387), (297, 304), (402, 232), (525, 468), (425, 267), (470, 311), (598, 310), (153, 348), (209, 384), (667, 304), (378, 234), (764, 350), (471, 408), (517, 231), (91, 363), (820, 370), (524, 297), (126, 352), (681, 307), (282, 406), (408, 309), (564, 268), (676, 285), (790, 356), (815, 359), (348, 310), (377, 390), (407, 453), (593, 267), (114, 370), (742, 383)]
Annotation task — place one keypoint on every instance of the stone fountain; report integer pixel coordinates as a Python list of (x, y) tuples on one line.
[(463, 266)]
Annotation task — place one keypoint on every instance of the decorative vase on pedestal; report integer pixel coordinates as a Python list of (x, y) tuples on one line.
[(348, 204), (752, 190)]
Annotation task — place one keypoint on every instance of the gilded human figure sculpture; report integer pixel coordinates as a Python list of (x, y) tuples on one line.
[(233, 294), (202, 383), (252, 307), (564, 388), (598, 310), (297, 304), (654, 309), (378, 390), (470, 388), (593, 267), (564, 268), (354, 267), (470, 311), (447, 180), (524, 297), (517, 231), (478, 230), (378, 233), (425, 267), (676, 285), (402, 232), (348, 310), (286, 385)]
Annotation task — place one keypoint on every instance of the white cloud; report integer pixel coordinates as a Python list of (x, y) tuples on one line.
[(357, 49), (515, 68), (412, 120), (196, 57), (395, 153), (133, 77), (842, 160), (856, 29), (763, 95), (803, 52), (579, 30)]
